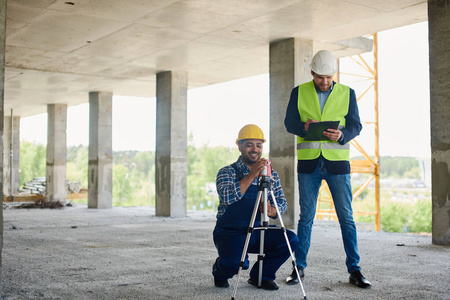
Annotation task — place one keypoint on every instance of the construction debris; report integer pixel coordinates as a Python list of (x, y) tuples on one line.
[(42, 204), (73, 187), (38, 186)]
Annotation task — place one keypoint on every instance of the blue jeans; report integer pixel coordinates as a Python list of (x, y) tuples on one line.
[(341, 192)]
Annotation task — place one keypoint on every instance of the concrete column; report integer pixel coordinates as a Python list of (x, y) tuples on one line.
[(100, 150), (439, 39), (289, 67), (11, 155), (171, 144), (2, 109), (56, 185)]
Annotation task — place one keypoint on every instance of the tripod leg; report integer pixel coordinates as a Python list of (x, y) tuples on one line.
[(247, 240), (288, 244), (265, 225)]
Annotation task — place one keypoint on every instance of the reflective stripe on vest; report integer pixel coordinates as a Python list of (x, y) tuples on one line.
[(316, 145), (335, 109)]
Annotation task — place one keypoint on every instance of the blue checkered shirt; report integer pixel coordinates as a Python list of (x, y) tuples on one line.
[(229, 190)]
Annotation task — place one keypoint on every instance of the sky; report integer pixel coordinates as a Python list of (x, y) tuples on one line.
[(217, 112)]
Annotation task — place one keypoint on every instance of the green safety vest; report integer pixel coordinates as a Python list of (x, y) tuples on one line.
[(335, 109)]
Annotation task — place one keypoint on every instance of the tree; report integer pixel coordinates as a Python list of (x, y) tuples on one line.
[(421, 216), (394, 217), (33, 159), (121, 184), (135, 187), (77, 164), (203, 165), (399, 167)]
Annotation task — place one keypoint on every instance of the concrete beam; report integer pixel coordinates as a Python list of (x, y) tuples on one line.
[(439, 39), (289, 67), (11, 159), (359, 43), (100, 150), (171, 144), (56, 185)]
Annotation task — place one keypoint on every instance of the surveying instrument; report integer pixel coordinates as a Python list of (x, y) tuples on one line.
[(264, 187)]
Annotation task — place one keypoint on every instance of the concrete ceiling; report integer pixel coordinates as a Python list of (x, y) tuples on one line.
[(57, 51)]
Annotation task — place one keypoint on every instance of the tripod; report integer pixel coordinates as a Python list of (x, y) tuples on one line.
[(263, 190)]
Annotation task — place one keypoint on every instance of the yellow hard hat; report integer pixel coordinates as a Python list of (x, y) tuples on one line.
[(249, 132)]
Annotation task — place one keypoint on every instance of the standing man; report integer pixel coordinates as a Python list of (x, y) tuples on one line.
[(322, 99), (237, 186)]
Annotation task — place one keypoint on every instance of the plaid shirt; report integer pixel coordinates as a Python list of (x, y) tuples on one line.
[(229, 189)]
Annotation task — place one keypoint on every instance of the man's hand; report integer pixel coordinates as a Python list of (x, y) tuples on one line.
[(257, 168), (271, 210), (309, 122), (333, 134)]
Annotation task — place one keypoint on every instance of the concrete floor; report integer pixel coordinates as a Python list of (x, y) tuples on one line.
[(128, 253)]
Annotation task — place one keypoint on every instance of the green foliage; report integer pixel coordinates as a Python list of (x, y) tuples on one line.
[(394, 217), (399, 167), (144, 162), (77, 164), (120, 184), (203, 165), (134, 176), (421, 216), (407, 216), (33, 158)]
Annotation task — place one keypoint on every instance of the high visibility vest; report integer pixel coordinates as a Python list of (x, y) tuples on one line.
[(335, 109)]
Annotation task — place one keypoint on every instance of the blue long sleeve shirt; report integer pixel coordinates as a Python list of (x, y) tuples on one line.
[(295, 126), (229, 189)]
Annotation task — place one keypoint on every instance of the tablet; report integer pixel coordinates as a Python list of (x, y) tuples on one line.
[(315, 130)]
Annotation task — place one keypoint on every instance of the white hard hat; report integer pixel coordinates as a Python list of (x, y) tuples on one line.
[(324, 63)]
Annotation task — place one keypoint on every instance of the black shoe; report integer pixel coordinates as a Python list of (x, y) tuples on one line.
[(358, 279), (221, 283), (265, 284), (292, 279)]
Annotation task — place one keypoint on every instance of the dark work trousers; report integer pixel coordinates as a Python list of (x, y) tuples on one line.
[(230, 234)]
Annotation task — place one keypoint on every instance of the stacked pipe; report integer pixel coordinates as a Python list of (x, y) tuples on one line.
[(38, 185)]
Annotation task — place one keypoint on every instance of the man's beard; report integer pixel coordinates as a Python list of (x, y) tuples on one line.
[(248, 159)]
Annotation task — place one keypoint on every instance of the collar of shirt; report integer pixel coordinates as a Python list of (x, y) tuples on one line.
[(242, 167), (323, 96)]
